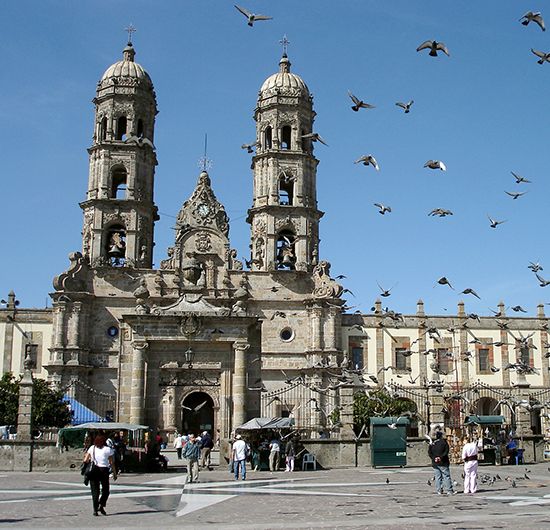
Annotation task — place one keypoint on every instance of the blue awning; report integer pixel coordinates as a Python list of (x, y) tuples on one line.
[(81, 413)]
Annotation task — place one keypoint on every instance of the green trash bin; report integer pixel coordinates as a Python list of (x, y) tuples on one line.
[(388, 442)]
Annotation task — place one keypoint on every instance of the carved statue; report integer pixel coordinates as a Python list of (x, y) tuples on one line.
[(286, 256), (141, 294), (325, 286), (191, 270)]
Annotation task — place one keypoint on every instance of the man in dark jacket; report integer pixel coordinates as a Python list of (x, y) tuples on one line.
[(207, 445), (439, 453)]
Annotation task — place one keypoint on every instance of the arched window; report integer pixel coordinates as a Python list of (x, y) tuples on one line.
[(121, 126), (286, 189), (115, 245), (286, 253), (286, 135), (268, 138), (140, 130), (103, 129), (118, 182)]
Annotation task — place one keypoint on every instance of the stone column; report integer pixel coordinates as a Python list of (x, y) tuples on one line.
[(24, 413), (170, 418), (73, 326), (435, 397), (137, 398), (316, 334), (422, 360), (239, 383), (346, 411), (58, 320), (523, 416)]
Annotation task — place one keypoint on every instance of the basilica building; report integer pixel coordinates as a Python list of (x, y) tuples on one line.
[(206, 341)]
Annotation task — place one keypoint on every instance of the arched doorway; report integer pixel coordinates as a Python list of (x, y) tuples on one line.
[(197, 413)]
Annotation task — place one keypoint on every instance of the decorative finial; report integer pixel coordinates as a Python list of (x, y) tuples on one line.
[(130, 29), (284, 42), (205, 163)]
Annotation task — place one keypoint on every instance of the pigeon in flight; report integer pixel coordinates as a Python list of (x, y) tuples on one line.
[(382, 208), (250, 147), (494, 222), (444, 281), (405, 106), (314, 137), (252, 17), (535, 267), (518, 309), (385, 292), (515, 194), (533, 17), (434, 47), (543, 282), (358, 103), (440, 212), (471, 291), (520, 179), (435, 164), (543, 56), (367, 160)]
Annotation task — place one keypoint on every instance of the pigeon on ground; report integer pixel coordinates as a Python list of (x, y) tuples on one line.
[(382, 208), (435, 164), (543, 56), (494, 223), (533, 17), (405, 106), (367, 160), (314, 137), (520, 179), (515, 194), (252, 17), (434, 47), (358, 103)]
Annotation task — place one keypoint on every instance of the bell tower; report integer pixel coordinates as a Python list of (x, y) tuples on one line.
[(119, 212), (284, 215)]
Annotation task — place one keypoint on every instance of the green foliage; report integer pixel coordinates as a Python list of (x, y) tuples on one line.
[(377, 403), (49, 410), (9, 399)]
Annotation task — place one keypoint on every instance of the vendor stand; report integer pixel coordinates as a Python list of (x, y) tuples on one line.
[(487, 429)]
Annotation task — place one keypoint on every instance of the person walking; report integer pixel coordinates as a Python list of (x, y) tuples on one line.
[(102, 457), (439, 453), (178, 444), (290, 451), (469, 456), (192, 452), (274, 452), (239, 454), (207, 444)]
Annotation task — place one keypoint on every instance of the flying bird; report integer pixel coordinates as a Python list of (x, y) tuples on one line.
[(358, 103), (543, 56), (518, 309), (405, 106), (252, 17), (468, 290), (278, 314), (435, 164), (520, 179), (543, 282), (314, 137), (494, 369), (515, 194), (385, 292), (382, 208), (494, 223), (444, 281), (441, 212), (250, 147), (533, 17), (434, 47), (367, 160), (535, 267)]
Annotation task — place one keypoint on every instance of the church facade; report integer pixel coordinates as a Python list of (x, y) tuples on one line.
[(208, 342)]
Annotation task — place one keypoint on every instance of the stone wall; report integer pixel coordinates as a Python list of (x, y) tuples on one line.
[(38, 456)]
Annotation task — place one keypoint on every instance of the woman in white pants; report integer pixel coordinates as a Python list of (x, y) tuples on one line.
[(469, 456)]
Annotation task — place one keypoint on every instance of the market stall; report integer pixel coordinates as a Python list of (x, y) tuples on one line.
[(487, 428)]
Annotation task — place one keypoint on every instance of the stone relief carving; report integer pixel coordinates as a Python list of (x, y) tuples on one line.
[(203, 242), (324, 285), (191, 270), (260, 226), (195, 378), (286, 222), (73, 279), (141, 294), (87, 233), (168, 263), (190, 325), (160, 283)]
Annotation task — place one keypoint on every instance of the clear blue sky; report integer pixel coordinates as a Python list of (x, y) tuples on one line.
[(483, 111)]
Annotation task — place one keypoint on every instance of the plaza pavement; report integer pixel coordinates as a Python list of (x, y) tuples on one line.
[(337, 498)]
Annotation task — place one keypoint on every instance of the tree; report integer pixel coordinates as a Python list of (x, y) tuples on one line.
[(49, 409), (9, 399), (377, 403)]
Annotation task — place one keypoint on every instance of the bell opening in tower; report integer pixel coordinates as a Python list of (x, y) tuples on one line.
[(286, 137), (286, 253), (118, 183), (267, 138), (116, 245), (286, 190), (121, 128)]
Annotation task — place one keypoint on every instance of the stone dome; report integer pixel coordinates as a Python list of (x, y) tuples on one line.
[(126, 69), (284, 81)]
